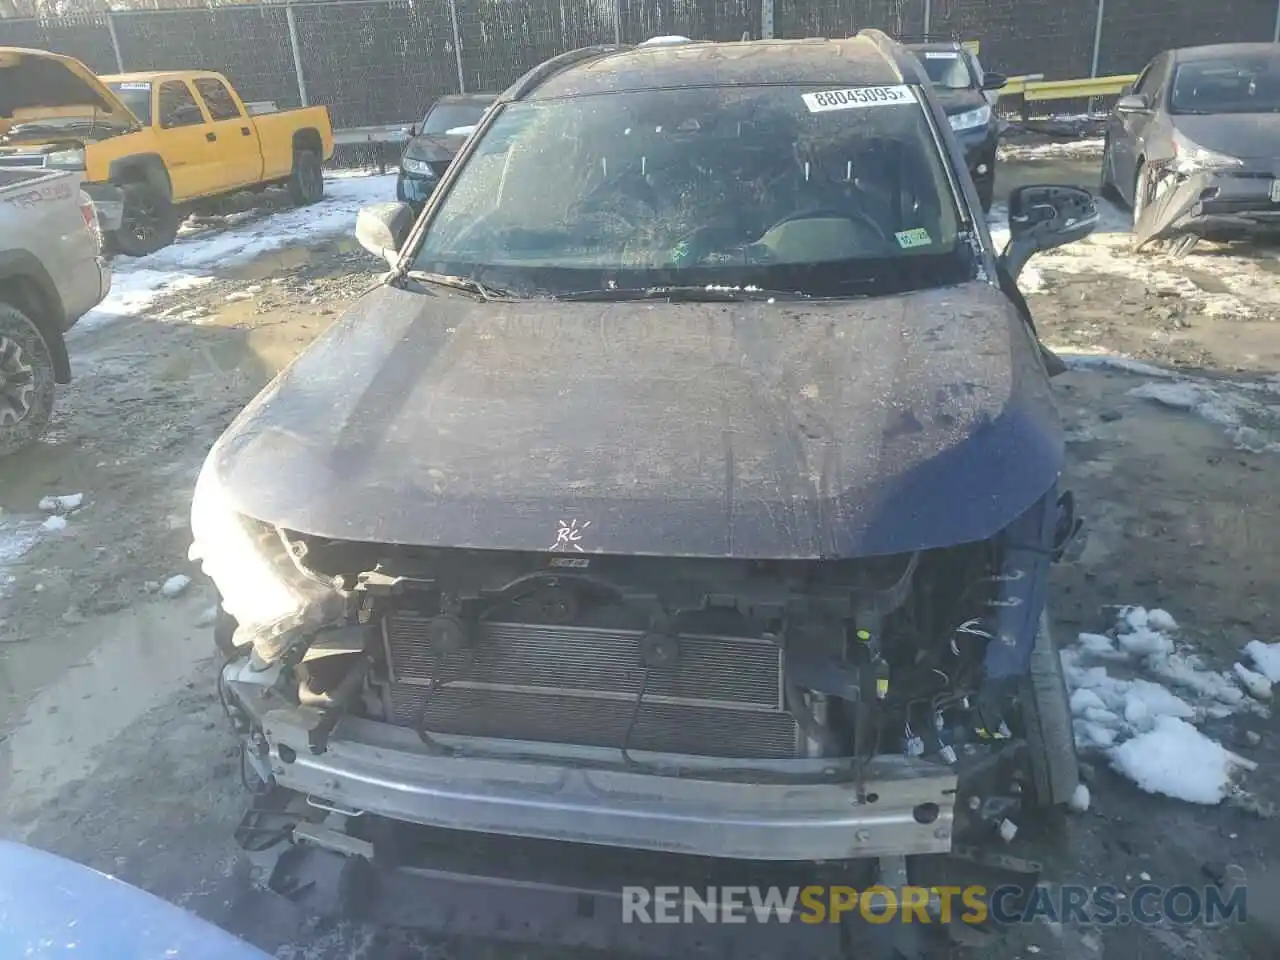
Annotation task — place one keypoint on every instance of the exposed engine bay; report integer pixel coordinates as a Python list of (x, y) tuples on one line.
[(731, 659)]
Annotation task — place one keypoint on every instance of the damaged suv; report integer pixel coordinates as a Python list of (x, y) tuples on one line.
[(681, 502)]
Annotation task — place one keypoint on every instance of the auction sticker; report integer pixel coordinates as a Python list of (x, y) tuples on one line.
[(941, 55), (853, 98), (919, 237)]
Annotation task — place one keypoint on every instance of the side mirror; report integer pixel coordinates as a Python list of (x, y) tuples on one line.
[(994, 81), (1132, 103), (410, 131), (381, 228), (1045, 217)]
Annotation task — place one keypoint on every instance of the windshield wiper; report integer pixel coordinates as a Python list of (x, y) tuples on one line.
[(705, 294), (465, 284)]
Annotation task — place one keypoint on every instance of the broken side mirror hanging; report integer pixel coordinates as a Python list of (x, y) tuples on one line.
[(1045, 217), (382, 228)]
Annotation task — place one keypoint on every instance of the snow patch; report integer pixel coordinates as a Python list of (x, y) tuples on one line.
[(1071, 149), (138, 282), (1226, 404), (1080, 798), (134, 289), (54, 524), (175, 585), (1177, 760), (61, 503), (1140, 714), (1266, 657)]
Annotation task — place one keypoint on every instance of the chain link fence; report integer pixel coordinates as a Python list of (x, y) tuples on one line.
[(375, 62)]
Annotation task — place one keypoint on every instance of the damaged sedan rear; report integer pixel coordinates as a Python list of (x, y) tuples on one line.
[(1194, 148), (680, 506)]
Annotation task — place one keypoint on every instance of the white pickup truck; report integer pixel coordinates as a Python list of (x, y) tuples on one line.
[(51, 274)]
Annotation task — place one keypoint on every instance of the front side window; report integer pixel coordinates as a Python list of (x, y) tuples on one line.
[(135, 95), (1234, 84), (947, 69), (793, 188), (222, 106), (178, 107), (1148, 79)]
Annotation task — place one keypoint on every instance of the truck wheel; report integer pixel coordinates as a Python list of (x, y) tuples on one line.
[(986, 191), (26, 381), (150, 221), (306, 183), (1046, 715)]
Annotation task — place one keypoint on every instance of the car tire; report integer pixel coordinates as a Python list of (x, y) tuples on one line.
[(26, 381), (1139, 191), (306, 182), (1046, 718), (1107, 186), (150, 221)]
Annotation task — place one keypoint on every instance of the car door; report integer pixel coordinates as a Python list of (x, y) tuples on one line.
[(235, 146), (1127, 131), (181, 130)]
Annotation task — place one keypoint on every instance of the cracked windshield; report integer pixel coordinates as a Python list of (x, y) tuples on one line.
[(489, 479)]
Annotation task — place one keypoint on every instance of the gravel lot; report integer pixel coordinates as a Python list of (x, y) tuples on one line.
[(113, 750)]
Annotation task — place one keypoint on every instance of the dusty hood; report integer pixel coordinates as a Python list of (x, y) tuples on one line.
[(725, 429), (1249, 136), (35, 85)]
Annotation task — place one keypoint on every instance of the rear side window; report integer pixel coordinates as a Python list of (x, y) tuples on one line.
[(222, 106), (178, 107)]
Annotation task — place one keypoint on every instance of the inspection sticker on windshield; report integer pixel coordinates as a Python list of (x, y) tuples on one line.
[(919, 237), (855, 97)]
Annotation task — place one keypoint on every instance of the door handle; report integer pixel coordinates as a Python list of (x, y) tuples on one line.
[(211, 136), (244, 132)]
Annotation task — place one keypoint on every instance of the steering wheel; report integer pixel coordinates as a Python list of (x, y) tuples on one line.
[(697, 244), (828, 213), (630, 185)]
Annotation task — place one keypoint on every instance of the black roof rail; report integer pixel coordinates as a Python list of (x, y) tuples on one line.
[(549, 68), (928, 37)]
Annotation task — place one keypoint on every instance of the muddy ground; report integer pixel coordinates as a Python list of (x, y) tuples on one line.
[(113, 749)]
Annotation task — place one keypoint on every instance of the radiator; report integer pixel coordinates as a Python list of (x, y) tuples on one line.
[(723, 697)]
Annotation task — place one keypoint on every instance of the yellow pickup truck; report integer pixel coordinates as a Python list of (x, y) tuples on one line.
[(149, 144)]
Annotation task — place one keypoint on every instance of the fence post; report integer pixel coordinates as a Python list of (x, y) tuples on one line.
[(1275, 34), (766, 19), (1097, 37), (928, 17), (297, 53), (115, 41), (457, 44), (617, 21)]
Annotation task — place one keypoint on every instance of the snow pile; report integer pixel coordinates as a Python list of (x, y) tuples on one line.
[(1145, 721), (137, 283)]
